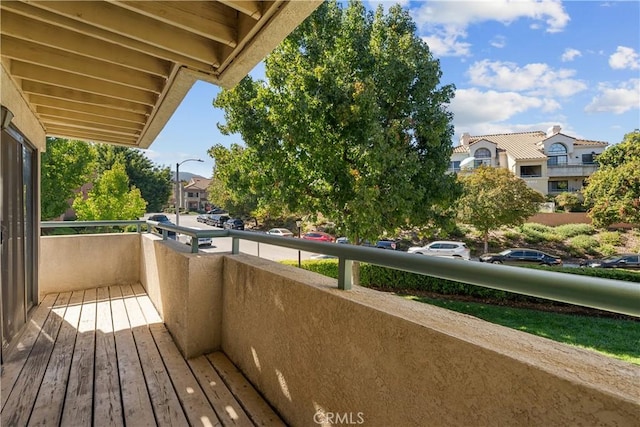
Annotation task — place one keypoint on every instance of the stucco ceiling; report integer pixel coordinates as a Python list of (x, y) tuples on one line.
[(115, 71)]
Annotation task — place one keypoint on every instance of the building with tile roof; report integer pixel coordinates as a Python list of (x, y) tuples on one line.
[(194, 194), (549, 162)]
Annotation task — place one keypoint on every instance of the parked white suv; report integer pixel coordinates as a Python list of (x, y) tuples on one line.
[(443, 248)]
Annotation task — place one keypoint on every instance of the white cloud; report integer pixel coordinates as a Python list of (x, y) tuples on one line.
[(461, 14), (498, 42), (616, 100), (570, 54), (445, 42), (473, 107), (625, 58), (446, 21), (536, 79)]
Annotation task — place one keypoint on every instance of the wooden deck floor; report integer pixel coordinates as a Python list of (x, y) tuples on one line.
[(103, 357)]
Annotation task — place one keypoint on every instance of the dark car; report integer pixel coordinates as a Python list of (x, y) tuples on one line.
[(216, 211), (519, 256), (163, 219), (217, 220), (631, 261), (380, 244), (386, 244), (234, 224)]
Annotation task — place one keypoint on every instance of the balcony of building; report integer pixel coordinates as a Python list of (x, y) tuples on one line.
[(582, 170), (132, 329)]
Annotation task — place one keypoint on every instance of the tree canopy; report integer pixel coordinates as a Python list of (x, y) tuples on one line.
[(65, 167), (494, 198), (351, 123), (154, 182), (613, 190), (110, 198)]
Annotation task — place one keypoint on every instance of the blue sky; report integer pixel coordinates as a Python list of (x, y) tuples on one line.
[(517, 66)]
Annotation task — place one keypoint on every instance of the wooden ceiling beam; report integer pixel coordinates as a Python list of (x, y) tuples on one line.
[(58, 59), (89, 136), (78, 116), (41, 101), (250, 8), (68, 80), (24, 28), (84, 97), (87, 126), (46, 16), (206, 19), (110, 17)]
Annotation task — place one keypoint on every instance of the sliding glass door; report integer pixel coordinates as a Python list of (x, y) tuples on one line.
[(18, 167)]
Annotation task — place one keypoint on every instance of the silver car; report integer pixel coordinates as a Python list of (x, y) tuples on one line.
[(443, 248)]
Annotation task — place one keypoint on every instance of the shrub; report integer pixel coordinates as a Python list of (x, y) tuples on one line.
[(536, 233), (612, 238), (607, 249), (512, 235), (582, 244), (568, 201), (571, 230)]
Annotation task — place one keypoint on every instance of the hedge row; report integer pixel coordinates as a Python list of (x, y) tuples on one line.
[(396, 280)]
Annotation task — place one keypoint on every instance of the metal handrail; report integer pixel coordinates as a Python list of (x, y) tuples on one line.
[(604, 294)]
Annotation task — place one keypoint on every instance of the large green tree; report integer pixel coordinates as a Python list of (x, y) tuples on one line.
[(235, 181), (351, 122), (111, 198), (495, 198), (613, 190), (66, 166), (154, 182)]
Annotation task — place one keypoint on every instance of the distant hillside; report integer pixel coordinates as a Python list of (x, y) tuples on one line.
[(185, 176)]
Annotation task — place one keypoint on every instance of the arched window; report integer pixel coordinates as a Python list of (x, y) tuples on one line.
[(483, 157), (557, 155)]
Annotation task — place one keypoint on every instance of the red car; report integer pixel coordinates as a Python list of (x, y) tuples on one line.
[(319, 236)]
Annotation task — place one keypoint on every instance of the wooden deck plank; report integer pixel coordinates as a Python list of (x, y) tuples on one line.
[(223, 401), (17, 354), (135, 397), (106, 351), (50, 400), (148, 309), (17, 410), (165, 403), (78, 408), (196, 406), (107, 406), (256, 407)]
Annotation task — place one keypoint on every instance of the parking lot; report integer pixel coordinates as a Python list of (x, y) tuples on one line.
[(223, 244)]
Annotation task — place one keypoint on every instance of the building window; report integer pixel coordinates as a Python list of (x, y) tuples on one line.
[(192, 194), (557, 155), (483, 157), (558, 186), (588, 159), (531, 171), (454, 166)]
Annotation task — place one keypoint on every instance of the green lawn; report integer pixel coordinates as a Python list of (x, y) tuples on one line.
[(611, 337)]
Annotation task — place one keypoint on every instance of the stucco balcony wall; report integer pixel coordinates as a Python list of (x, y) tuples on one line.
[(75, 262), (311, 348), (571, 170), (315, 352), (186, 289)]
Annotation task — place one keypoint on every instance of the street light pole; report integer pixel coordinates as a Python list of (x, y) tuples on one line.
[(178, 189), (299, 225)]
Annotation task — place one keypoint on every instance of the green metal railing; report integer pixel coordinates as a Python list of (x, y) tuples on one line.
[(605, 294)]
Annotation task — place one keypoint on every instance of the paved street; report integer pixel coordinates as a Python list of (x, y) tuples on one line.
[(271, 252)]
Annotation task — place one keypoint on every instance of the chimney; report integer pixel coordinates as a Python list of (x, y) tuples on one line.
[(553, 130), (464, 139)]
